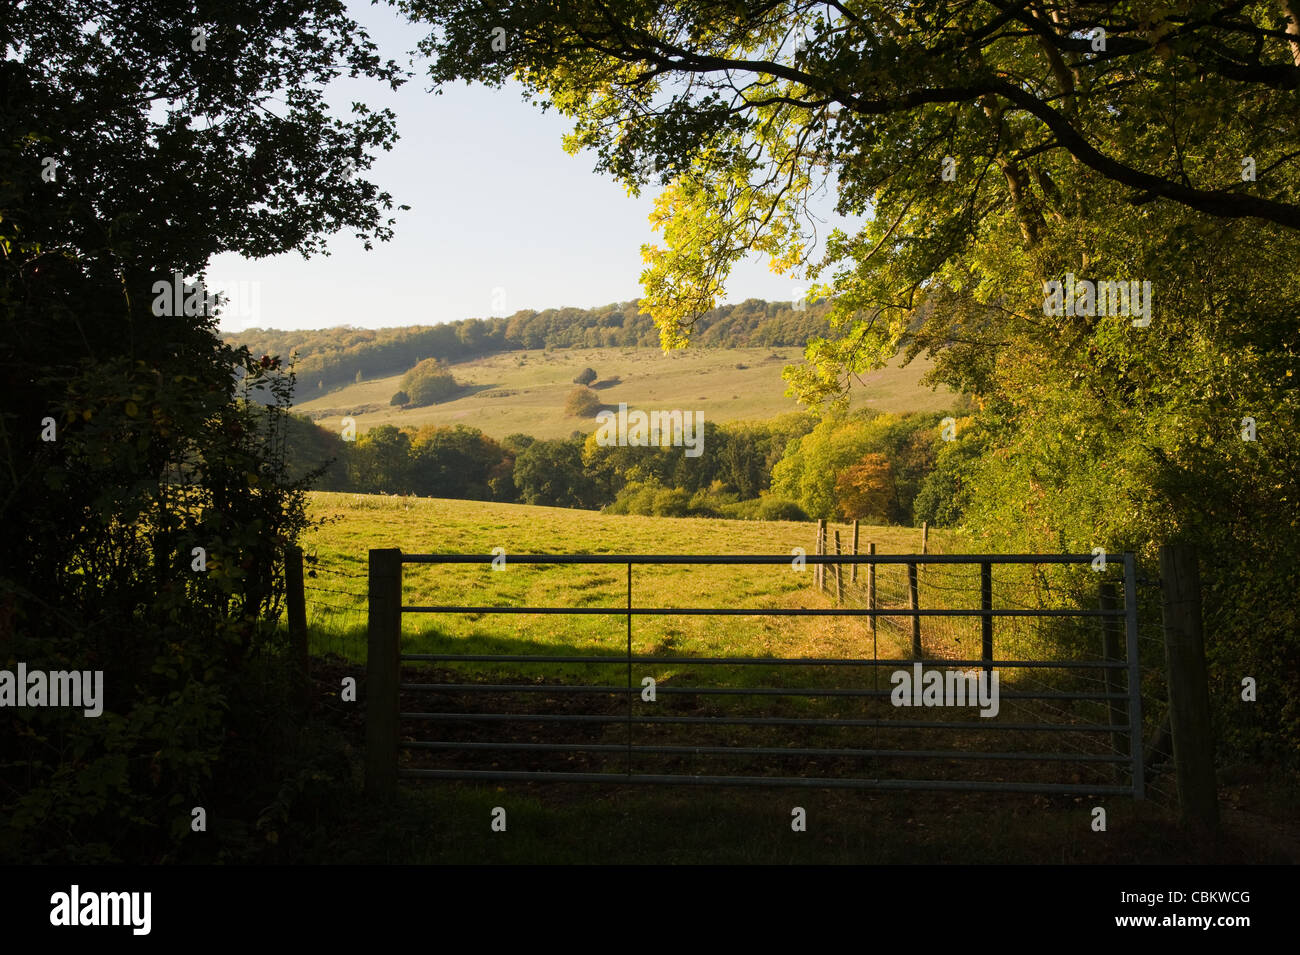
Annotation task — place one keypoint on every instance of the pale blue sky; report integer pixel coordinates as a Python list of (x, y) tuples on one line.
[(496, 203)]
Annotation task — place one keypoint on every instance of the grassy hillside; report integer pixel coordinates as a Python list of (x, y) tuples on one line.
[(525, 391), (358, 522)]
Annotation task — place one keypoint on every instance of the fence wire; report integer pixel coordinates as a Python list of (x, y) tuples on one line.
[(336, 593)]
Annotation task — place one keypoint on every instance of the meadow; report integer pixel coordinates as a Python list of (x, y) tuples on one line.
[(354, 523), (524, 392)]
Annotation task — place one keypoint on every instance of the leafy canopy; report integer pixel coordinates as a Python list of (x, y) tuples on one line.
[(745, 109)]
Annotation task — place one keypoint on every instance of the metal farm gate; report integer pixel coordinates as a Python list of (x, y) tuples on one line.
[(1066, 725)]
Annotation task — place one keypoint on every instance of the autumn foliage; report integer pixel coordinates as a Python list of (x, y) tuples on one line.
[(866, 490)]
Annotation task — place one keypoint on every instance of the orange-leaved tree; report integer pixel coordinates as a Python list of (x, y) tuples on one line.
[(866, 489)]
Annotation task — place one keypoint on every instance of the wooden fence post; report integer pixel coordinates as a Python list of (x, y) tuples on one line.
[(1110, 640), (914, 604), (925, 541), (853, 574), (871, 588), (383, 671), (821, 550), (1189, 695), (839, 577), (296, 605)]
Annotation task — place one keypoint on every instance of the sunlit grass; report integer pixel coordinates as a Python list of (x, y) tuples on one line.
[(356, 523), (525, 392)]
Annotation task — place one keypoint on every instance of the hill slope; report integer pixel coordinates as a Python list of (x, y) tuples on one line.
[(524, 392), (333, 357)]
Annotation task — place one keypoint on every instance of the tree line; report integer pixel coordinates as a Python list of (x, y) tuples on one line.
[(866, 465)]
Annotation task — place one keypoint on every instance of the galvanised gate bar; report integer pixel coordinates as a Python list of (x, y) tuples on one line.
[(1116, 738)]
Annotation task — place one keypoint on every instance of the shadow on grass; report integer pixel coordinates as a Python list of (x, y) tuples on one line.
[(449, 822), (528, 713)]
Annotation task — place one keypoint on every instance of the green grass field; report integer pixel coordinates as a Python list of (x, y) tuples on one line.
[(524, 392), (357, 522)]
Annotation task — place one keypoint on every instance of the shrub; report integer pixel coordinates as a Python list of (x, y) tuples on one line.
[(651, 498), (635, 498), (671, 502), (711, 501), (582, 403), (585, 377), (429, 382), (401, 398), (741, 510), (772, 508)]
